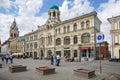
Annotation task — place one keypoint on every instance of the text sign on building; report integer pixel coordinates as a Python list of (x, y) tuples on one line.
[(99, 37)]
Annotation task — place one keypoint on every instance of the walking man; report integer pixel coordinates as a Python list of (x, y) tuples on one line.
[(57, 60), (6, 57), (52, 59), (11, 58)]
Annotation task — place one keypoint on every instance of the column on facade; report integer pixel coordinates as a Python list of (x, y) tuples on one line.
[(45, 48), (62, 41), (71, 52)]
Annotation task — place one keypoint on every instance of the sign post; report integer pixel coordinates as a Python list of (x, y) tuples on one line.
[(99, 40)]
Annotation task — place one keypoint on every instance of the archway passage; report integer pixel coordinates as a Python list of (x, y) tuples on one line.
[(49, 53)]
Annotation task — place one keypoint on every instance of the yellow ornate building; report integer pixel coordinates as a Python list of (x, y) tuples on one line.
[(115, 34), (74, 37), (13, 35)]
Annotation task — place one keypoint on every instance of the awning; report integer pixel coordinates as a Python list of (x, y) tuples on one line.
[(17, 54), (83, 48)]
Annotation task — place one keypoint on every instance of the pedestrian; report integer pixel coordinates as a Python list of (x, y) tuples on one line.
[(52, 59), (3, 57), (57, 60), (6, 57), (11, 58)]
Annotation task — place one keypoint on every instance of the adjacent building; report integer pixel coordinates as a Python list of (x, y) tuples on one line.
[(115, 35), (20, 45)]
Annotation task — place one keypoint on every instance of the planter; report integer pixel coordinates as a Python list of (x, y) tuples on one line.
[(85, 72), (17, 68), (45, 70)]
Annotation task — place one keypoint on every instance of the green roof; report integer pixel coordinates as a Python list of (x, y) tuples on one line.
[(21, 38), (54, 7)]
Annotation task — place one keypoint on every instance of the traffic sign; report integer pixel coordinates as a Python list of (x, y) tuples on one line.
[(99, 37)]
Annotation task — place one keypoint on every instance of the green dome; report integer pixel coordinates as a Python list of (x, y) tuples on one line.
[(54, 7), (21, 38)]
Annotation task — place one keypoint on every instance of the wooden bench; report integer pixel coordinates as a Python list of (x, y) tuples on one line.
[(0, 65), (17, 68), (85, 72), (44, 70)]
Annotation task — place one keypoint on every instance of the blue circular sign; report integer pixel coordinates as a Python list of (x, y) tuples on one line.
[(99, 37)]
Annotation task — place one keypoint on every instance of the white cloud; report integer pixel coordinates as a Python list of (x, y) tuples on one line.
[(105, 11), (5, 23), (26, 19), (28, 7), (77, 8), (5, 3)]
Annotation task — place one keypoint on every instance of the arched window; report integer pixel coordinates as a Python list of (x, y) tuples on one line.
[(53, 14), (64, 29), (49, 39), (50, 27), (58, 41), (82, 25), (31, 46), (11, 35), (85, 38), (68, 28), (14, 35), (75, 39), (35, 45), (74, 27), (56, 31), (87, 24), (66, 40)]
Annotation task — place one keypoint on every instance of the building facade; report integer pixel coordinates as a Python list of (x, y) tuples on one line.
[(115, 35), (74, 37), (32, 44), (4, 47)]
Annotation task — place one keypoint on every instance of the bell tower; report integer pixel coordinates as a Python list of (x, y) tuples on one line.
[(13, 33), (54, 14)]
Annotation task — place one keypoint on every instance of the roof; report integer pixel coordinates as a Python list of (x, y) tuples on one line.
[(21, 38), (54, 7)]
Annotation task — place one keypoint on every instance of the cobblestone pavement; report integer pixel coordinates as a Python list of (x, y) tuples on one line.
[(63, 72)]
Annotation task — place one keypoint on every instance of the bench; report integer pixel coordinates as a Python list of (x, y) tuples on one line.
[(85, 72), (17, 68), (44, 70), (0, 65)]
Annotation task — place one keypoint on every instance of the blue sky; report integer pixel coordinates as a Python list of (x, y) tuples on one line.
[(30, 13)]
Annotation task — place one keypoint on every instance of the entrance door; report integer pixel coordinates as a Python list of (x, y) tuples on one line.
[(75, 53), (35, 55)]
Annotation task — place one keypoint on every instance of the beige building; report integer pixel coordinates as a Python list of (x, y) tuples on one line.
[(115, 34), (31, 44), (74, 37)]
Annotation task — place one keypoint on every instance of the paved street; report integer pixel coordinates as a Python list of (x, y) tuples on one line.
[(63, 72)]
